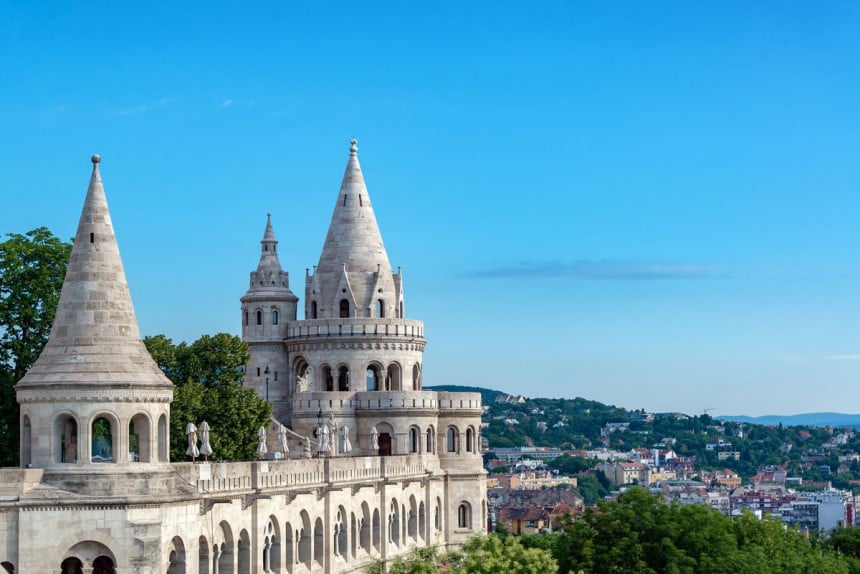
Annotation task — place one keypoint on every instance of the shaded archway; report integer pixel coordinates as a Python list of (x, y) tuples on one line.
[(103, 433), (163, 439), (202, 556), (304, 538), (244, 553), (319, 542), (104, 565), (176, 557), (139, 446), (66, 433), (71, 566), (26, 446)]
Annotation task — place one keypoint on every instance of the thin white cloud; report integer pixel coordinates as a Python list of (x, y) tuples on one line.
[(226, 103), (605, 270), (143, 108), (848, 357)]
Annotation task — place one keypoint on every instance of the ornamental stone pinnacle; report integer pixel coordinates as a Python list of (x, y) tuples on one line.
[(95, 339)]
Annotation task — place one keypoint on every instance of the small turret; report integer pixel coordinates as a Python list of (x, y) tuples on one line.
[(267, 307)]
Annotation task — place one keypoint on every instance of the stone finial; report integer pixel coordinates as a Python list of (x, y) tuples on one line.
[(96, 158), (353, 146)]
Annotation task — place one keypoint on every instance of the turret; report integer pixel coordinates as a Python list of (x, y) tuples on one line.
[(94, 400), (267, 307)]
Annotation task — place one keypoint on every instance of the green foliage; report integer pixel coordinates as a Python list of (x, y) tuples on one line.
[(638, 533), (208, 378), (32, 269), (571, 465), (479, 555)]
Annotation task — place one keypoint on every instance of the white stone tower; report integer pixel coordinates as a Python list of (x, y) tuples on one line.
[(95, 401), (267, 308)]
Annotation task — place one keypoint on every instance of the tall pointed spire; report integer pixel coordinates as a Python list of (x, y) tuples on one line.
[(353, 236), (95, 339)]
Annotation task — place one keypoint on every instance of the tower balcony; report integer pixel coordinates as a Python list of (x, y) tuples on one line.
[(402, 329)]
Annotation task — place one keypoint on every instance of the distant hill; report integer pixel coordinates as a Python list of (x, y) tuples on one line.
[(487, 395), (838, 420)]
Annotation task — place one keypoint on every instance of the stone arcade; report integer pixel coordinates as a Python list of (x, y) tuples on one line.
[(402, 468)]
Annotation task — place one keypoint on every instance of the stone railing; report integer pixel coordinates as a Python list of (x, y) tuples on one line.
[(249, 476), (449, 401), (365, 400), (315, 328)]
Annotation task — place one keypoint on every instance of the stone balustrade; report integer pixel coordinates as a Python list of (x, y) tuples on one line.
[(247, 476), (330, 328)]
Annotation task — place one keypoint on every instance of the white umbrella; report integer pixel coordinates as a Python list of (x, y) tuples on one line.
[(261, 446), (347, 446), (191, 432), (282, 440), (205, 447)]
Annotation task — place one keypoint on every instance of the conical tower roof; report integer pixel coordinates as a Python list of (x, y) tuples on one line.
[(269, 278), (95, 339), (353, 237)]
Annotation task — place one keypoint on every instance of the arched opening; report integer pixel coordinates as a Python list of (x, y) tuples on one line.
[(437, 515), (274, 316), (226, 561), (470, 439), (71, 566), (163, 439), (379, 309), (372, 378), (103, 440), (422, 521), (451, 439), (138, 439), (319, 542), (327, 378), (394, 523), (375, 529), (414, 440), (314, 311), (343, 378), (202, 556), (392, 381), (246, 318), (8, 567), (464, 515), (304, 537), (364, 534), (289, 547), (416, 377), (259, 317), (484, 515), (272, 553), (430, 448), (176, 557), (66, 431), (26, 442), (244, 553), (344, 309), (402, 316), (412, 520), (104, 565), (353, 535), (340, 534)]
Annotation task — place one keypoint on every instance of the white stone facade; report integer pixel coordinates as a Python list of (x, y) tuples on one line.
[(97, 494)]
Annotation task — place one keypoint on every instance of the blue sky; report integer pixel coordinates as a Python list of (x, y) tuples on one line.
[(647, 204)]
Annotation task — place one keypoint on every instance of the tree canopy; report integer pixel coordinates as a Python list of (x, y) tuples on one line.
[(639, 533), (479, 555), (208, 377), (32, 269)]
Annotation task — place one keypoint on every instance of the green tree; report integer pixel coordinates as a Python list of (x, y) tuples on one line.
[(32, 269), (208, 378), (479, 555)]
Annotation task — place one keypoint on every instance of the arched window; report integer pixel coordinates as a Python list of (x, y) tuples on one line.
[(380, 308), (344, 309), (66, 431), (102, 443), (401, 310), (470, 440), (246, 318), (274, 316), (414, 439), (464, 516), (139, 439), (162, 439), (429, 448), (259, 317), (451, 439), (313, 309), (26, 441), (343, 378), (372, 379), (416, 377)]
